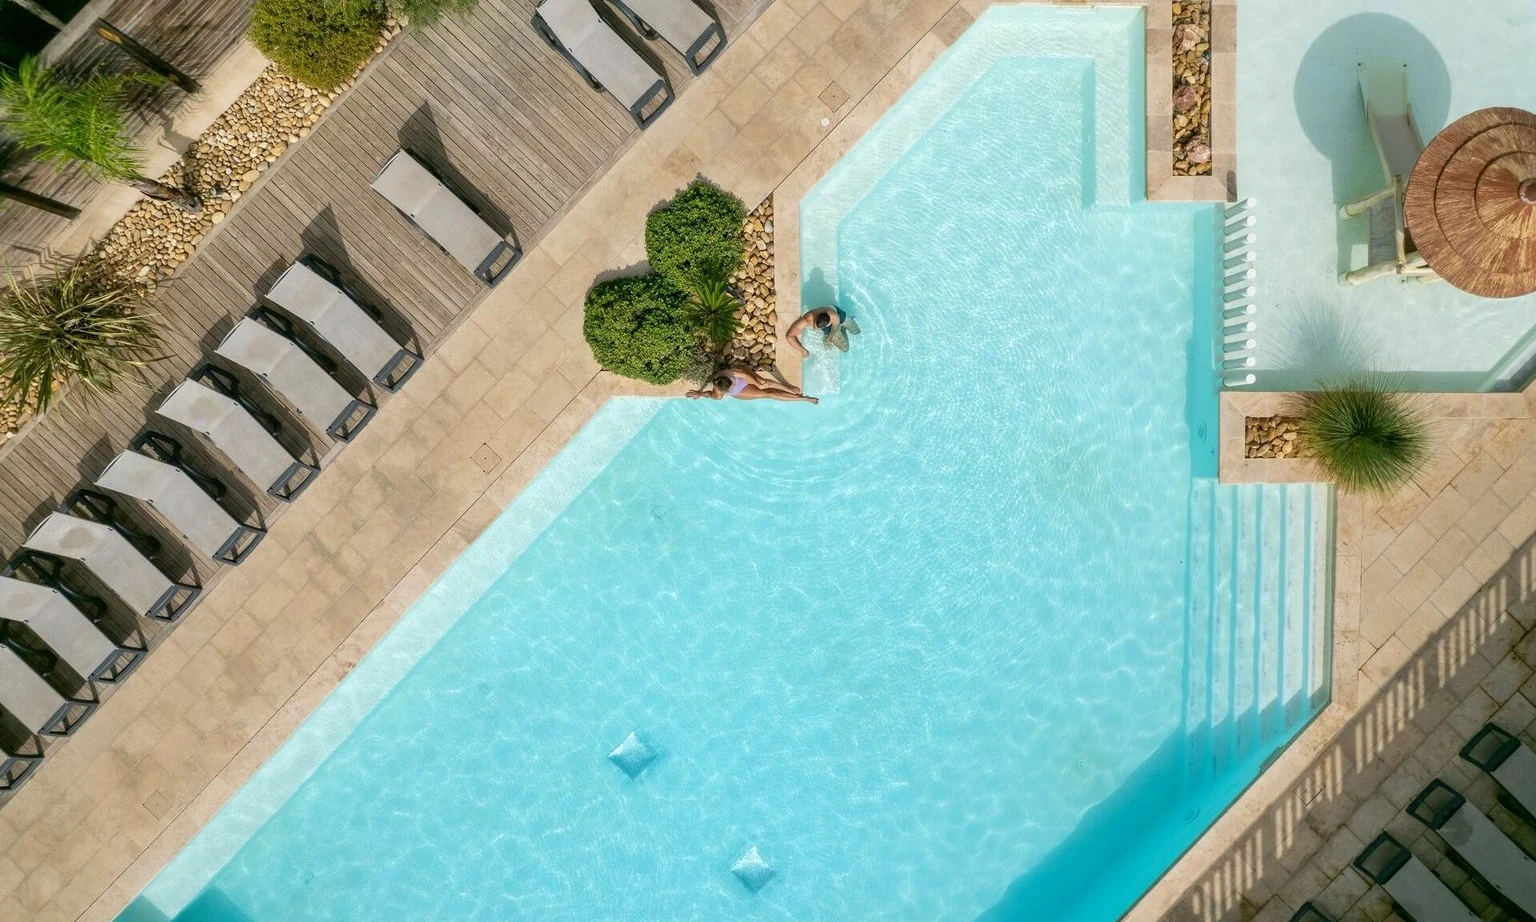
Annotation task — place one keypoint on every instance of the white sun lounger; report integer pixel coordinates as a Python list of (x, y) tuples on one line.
[(236, 433), (1384, 90), (168, 490), (686, 27), (1412, 885), (26, 696), (65, 630), (1500, 862), (284, 367), (307, 291), (1511, 763), (115, 562), (444, 218), (602, 57)]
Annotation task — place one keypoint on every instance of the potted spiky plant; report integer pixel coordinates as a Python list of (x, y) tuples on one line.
[(77, 323), (1363, 436), (712, 308), (85, 122)]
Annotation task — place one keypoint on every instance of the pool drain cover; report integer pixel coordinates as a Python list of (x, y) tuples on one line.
[(632, 756), (753, 871)]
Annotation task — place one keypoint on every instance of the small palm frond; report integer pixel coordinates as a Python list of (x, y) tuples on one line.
[(712, 309), (1365, 437), (77, 323), (65, 121)]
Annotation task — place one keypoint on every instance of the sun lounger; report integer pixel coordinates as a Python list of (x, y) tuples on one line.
[(26, 696), (686, 27), (602, 57), (310, 291), (1510, 762), (66, 631), (16, 766), (168, 490), (1310, 913), (296, 377), (444, 218), (231, 428), (1384, 90), (1471, 835), (1412, 885), (115, 562)]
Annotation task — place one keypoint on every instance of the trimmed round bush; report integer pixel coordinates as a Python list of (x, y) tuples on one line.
[(636, 328), (701, 225), (318, 43)]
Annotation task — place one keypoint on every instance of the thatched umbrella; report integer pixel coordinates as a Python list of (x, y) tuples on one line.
[(1471, 203)]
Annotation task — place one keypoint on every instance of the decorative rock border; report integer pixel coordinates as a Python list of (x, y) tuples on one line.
[(754, 345), (1192, 88), (1272, 437)]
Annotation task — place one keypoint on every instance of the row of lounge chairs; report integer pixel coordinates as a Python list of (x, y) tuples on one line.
[(52, 633), (1503, 870), (608, 61)]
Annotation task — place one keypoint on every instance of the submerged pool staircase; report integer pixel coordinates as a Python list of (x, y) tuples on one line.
[(1257, 665)]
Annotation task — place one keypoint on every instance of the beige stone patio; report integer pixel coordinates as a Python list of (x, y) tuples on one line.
[(1424, 648)]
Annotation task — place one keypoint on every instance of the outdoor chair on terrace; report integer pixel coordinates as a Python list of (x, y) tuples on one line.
[(66, 631), (29, 698), (1384, 88), (444, 218), (1471, 835), (310, 291), (229, 425), (113, 560), (686, 27), (602, 57), (170, 491), (1510, 762), (283, 365), (16, 766), (1310, 913), (1412, 885)]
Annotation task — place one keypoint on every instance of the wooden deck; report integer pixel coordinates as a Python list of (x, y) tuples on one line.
[(193, 37), (482, 98)]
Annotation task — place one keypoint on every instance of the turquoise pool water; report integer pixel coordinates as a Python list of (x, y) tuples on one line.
[(928, 647)]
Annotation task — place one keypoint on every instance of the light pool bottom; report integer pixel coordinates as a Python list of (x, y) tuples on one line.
[(930, 648)]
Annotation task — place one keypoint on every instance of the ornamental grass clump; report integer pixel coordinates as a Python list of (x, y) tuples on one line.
[(1364, 437), (321, 44), (74, 324)]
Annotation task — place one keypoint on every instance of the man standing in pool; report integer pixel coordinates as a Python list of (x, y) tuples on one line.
[(830, 320)]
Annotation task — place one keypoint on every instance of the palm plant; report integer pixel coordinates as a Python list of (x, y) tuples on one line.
[(712, 308), (84, 122), (1363, 436), (76, 323)]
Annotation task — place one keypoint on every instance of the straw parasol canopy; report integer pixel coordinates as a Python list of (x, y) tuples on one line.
[(1471, 203)]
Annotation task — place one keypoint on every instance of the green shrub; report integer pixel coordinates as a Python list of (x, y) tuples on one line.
[(1363, 437), (426, 12), (321, 44), (702, 223), (636, 328)]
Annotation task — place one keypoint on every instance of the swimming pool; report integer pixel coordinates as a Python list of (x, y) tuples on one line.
[(977, 637)]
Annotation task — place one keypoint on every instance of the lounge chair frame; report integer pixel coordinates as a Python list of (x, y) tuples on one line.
[(70, 714), (1503, 871), (160, 447), (486, 271), (1489, 749), (1381, 861), (16, 768), (1310, 913), (356, 415), (125, 658), (660, 90), (93, 506), (691, 55), (299, 475), (397, 370)]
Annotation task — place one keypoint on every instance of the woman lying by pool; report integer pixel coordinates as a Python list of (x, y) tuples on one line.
[(830, 320), (745, 384)]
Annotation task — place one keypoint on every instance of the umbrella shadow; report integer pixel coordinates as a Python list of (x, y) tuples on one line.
[(1328, 104)]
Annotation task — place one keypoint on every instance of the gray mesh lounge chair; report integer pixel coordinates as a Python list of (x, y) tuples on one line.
[(308, 291), (230, 428), (1500, 862), (602, 57), (296, 377), (686, 27), (114, 561), (444, 218), (1511, 763), (168, 490), (1411, 884), (32, 701), (66, 631)]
